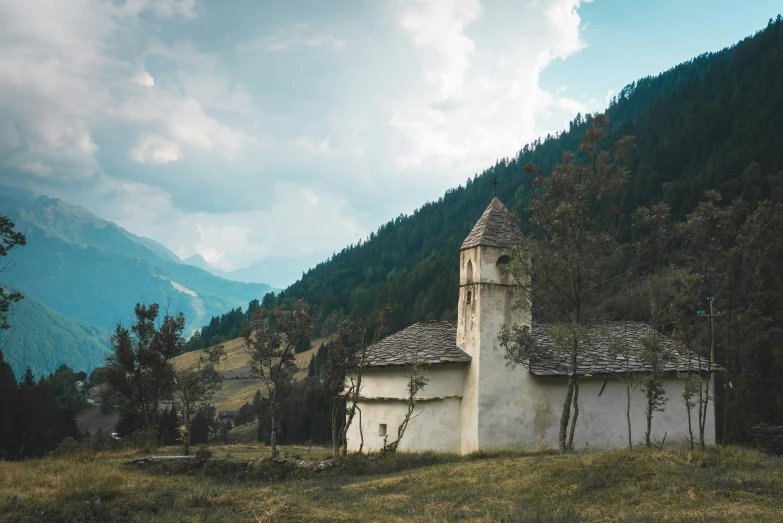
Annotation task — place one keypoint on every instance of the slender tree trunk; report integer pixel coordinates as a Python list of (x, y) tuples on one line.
[(576, 415), (566, 414), (350, 413), (361, 432), (649, 413), (688, 396), (688, 407), (703, 420), (628, 409), (273, 432), (710, 378), (701, 410), (335, 441), (725, 427), (186, 412)]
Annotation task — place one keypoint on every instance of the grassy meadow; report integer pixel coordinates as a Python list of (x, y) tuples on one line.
[(731, 484), (238, 385)]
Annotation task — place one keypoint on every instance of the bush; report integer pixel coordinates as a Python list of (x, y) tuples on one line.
[(768, 438)]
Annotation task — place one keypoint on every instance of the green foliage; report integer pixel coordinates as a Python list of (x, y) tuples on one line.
[(204, 425), (139, 373), (43, 339), (9, 239), (195, 385), (270, 341), (62, 384), (32, 421), (768, 438), (246, 414)]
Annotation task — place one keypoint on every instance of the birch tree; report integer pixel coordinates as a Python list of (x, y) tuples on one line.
[(416, 381), (270, 341), (366, 333), (620, 350)]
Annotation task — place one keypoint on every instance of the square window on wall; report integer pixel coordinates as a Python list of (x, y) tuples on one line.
[(382, 429)]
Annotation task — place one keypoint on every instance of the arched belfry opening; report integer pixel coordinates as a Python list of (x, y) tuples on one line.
[(469, 271), (502, 268)]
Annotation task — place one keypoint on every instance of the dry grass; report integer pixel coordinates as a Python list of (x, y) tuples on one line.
[(238, 386), (730, 484)]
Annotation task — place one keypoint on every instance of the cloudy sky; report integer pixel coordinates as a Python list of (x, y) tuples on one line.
[(245, 129)]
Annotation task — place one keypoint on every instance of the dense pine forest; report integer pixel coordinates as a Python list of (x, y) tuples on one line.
[(712, 123)]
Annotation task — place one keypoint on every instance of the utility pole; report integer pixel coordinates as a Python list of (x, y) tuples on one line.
[(711, 382)]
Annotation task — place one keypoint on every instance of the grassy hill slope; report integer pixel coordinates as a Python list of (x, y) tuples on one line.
[(729, 484), (238, 386)]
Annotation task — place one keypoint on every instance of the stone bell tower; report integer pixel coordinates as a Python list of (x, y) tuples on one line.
[(487, 295)]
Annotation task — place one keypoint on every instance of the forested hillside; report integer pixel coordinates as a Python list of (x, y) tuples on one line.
[(715, 122), (43, 339)]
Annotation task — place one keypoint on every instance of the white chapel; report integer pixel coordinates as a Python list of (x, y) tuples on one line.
[(474, 400)]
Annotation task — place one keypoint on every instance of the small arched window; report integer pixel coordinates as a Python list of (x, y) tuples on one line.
[(469, 272), (503, 269)]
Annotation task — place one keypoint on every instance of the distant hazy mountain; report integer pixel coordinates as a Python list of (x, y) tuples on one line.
[(93, 270), (279, 272), (44, 339)]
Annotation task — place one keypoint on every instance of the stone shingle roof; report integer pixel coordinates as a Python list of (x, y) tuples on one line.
[(495, 228), (598, 359), (436, 342), (429, 342)]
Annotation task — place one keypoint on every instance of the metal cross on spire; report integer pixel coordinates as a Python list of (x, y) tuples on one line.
[(495, 182)]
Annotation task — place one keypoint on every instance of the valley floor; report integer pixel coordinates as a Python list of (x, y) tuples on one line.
[(731, 484)]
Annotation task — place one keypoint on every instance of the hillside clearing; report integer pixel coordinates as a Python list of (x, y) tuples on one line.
[(644, 485), (238, 385)]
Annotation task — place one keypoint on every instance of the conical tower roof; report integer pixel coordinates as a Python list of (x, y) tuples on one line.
[(495, 228)]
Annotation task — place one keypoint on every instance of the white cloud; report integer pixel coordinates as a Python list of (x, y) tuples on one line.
[(145, 79), (292, 143), (298, 36), (58, 81), (438, 28), (37, 168), (480, 99), (312, 145), (156, 149)]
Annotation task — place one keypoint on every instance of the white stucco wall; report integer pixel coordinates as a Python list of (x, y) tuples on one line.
[(528, 414), (388, 382), (435, 427)]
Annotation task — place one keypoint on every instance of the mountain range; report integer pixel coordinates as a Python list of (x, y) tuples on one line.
[(90, 270), (278, 271)]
